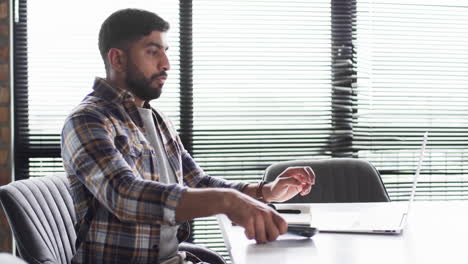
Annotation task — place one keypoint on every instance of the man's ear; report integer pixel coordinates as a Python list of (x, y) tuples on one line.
[(117, 59)]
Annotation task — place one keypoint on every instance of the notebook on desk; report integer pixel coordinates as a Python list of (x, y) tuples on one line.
[(378, 218)]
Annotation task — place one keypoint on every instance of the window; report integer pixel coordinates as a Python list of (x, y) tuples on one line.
[(412, 77), (261, 89), (57, 59), (255, 82)]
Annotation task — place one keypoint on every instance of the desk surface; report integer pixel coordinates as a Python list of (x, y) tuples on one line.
[(437, 232)]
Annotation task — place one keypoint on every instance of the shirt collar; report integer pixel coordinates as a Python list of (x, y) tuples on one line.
[(105, 90), (119, 96)]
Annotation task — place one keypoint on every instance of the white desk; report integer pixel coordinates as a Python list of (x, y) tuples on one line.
[(437, 232)]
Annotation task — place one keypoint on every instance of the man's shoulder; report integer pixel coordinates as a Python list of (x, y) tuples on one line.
[(95, 106)]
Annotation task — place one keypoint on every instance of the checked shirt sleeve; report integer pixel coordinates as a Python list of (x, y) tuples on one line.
[(90, 154)]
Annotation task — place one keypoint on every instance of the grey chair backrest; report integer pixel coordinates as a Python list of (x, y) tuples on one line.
[(42, 217), (338, 180)]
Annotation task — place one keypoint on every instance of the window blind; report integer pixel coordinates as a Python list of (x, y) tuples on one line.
[(255, 82), (261, 89), (60, 59), (412, 77)]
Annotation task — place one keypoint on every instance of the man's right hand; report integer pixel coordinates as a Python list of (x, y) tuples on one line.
[(260, 222)]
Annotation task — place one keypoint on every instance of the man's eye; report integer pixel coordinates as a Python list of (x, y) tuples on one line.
[(152, 52)]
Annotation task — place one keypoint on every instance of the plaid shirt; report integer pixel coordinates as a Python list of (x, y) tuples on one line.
[(113, 174)]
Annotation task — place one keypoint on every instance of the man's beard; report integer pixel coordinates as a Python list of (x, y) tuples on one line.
[(140, 86)]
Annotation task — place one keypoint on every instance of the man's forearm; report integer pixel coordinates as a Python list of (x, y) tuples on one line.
[(260, 222), (202, 202)]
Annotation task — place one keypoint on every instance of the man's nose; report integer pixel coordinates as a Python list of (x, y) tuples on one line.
[(165, 64)]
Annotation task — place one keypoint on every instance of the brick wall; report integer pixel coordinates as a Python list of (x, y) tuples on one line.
[(5, 120)]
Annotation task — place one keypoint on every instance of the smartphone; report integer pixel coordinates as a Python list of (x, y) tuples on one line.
[(302, 230)]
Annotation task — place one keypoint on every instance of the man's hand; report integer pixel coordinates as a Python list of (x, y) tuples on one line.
[(260, 222), (289, 183)]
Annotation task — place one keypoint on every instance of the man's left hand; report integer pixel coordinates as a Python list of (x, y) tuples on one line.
[(289, 183)]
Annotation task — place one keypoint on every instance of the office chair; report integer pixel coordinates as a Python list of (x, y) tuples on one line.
[(338, 180), (41, 215)]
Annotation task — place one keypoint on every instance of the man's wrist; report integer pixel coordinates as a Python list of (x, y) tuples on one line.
[(267, 195), (253, 189), (259, 192)]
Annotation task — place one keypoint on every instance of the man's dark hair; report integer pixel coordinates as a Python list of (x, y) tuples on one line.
[(125, 26)]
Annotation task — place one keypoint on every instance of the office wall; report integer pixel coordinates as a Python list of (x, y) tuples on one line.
[(5, 117)]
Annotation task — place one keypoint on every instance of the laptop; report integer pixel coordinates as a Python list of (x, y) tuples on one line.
[(376, 218)]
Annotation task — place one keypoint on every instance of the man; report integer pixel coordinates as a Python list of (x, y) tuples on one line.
[(133, 183)]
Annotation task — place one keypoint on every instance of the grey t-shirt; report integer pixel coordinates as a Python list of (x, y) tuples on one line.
[(169, 244)]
